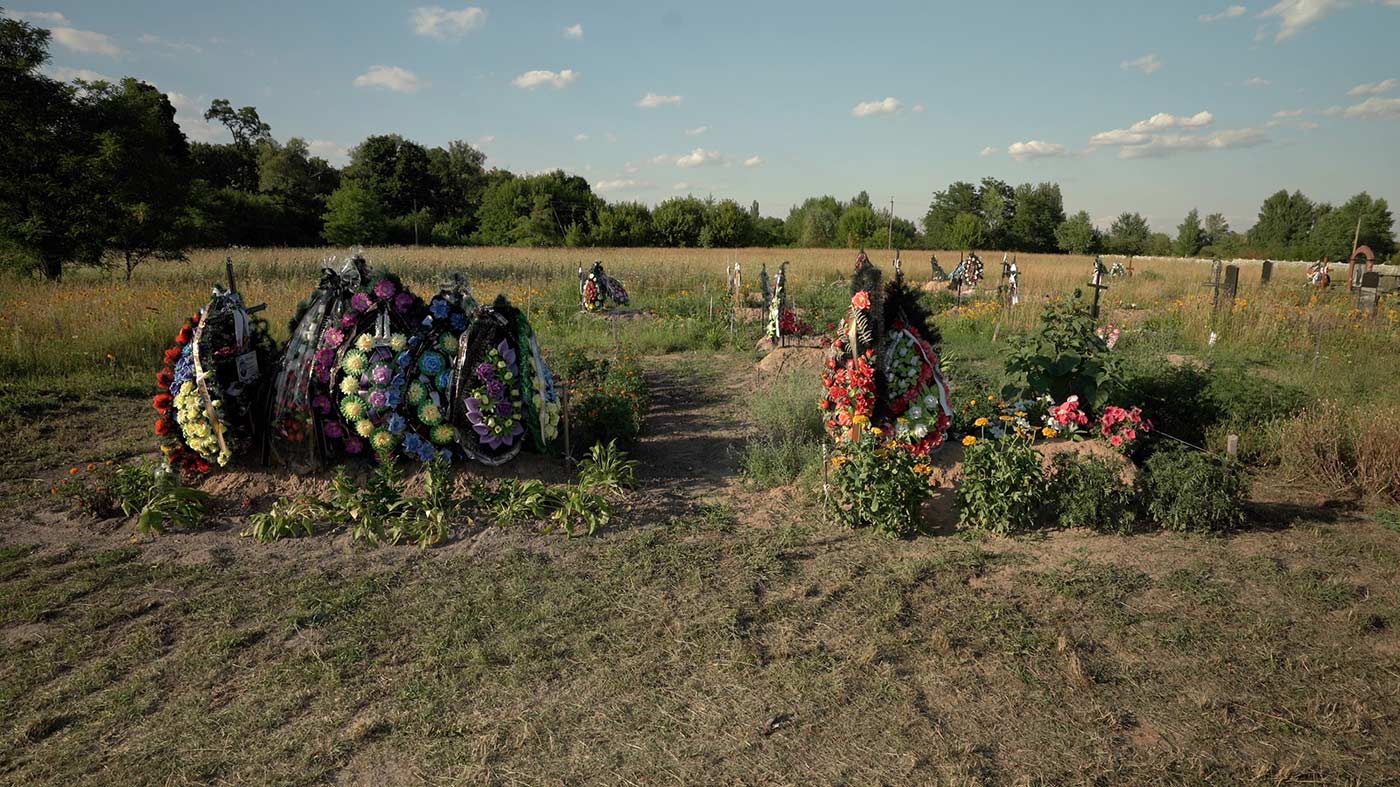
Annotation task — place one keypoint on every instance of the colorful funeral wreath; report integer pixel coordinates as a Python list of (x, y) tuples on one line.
[(598, 286)]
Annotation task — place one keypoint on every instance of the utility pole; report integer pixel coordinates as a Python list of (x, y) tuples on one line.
[(890, 236)]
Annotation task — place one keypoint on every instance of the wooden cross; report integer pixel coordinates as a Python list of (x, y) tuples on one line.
[(1097, 285)]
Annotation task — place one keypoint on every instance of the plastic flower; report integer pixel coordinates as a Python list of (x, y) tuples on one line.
[(354, 445), (439, 308), (459, 322), (349, 385), (860, 419), (364, 427), (354, 362), (384, 289), (430, 414), (333, 430), (442, 434), (333, 337), (360, 302), (365, 342), (969, 440), (417, 392), (382, 441), (449, 343), (398, 342), (431, 363), (861, 300), (403, 301), (353, 407)]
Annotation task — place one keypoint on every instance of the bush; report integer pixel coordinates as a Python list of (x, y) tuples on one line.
[(607, 399), (1090, 492), (874, 486), (1190, 491), (1003, 488), (1064, 357), (1174, 397)]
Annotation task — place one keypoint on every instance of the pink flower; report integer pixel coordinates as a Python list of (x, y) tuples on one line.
[(1116, 441), (384, 289), (861, 300), (1130, 434)]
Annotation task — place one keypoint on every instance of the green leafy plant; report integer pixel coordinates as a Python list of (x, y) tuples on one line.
[(288, 518), (607, 469), (171, 506), (514, 501), (607, 400), (1063, 357), (1090, 492), (580, 508), (1003, 487), (1190, 491), (873, 486)]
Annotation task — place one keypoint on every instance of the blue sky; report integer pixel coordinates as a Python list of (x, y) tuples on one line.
[(1156, 107)]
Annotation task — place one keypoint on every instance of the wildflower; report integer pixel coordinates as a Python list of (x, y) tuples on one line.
[(922, 469), (838, 460), (969, 440), (981, 422), (1049, 431), (73, 470), (877, 431)]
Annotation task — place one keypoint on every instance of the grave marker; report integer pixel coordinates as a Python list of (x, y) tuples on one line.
[(1097, 285), (1267, 272)]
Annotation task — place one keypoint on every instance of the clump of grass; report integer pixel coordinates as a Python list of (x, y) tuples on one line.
[(1348, 451), (790, 431)]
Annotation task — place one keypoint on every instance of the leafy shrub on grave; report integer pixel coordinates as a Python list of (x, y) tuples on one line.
[(877, 487), (1064, 357), (1245, 399), (607, 399), (1192, 492), (1003, 488), (1089, 491), (1176, 396)]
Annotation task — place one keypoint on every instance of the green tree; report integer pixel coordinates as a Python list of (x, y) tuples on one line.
[(804, 230), (906, 234), (49, 212), (960, 197), (856, 225), (459, 178), (297, 184), (624, 224), (1077, 234), (140, 170), (1217, 229), (1159, 244), (996, 202), (1129, 234), (770, 231), (1336, 229), (967, 232), (726, 226), (1285, 225), (678, 221), (1040, 210), (354, 216), (398, 173), (1190, 236), (248, 132)]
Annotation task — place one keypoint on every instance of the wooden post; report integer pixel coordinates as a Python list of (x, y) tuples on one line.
[(564, 412), (1232, 445), (1097, 285)]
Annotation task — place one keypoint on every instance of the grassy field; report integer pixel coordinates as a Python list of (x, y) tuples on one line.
[(719, 630)]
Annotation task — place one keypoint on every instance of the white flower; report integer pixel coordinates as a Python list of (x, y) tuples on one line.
[(916, 412), (921, 431)]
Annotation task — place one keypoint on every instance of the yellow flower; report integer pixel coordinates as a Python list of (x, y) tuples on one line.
[(974, 401), (922, 469), (877, 431), (980, 422), (838, 460), (860, 420), (969, 440), (1048, 431), (1020, 413), (1004, 417)]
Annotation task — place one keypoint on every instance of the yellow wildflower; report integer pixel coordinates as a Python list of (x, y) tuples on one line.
[(969, 440), (877, 431), (1048, 431), (860, 419), (1004, 417), (981, 422), (838, 460), (922, 469), (1020, 413)]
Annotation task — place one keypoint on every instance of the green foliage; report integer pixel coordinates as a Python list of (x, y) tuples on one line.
[(1063, 357), (874, 487), (1040, 210), (1336, 228), (1003, 489), (1090, 492), (288, 518), (353, 215), (607, 469), (1128, 235), (966, 232), (726, 226), (1190, 491), (790, 431), (514, 501), (624, 224), (143, 490), (171, 506), (1190, 236), (580, 508), (607, 400), (856, 225), (1077, 234), (678, 221)]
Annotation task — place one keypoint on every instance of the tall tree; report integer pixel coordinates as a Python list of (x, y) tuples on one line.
[(856, 225), (678, 221), (959, 197), (967, 233), (141, 170), (1077, 234), (1040, 210), (249, 132), (49, 213), (1129, 234), (1190, 237), (297, 184), (1336, 229), (1217, 229), (624, 224), (1285, 224), (726, 226), (813, 223), (354, 215), (996, 202)]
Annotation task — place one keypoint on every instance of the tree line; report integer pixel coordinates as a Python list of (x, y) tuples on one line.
[(100, 173)]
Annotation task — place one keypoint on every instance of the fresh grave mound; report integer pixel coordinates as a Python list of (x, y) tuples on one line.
[(783, 360), (369, 370)]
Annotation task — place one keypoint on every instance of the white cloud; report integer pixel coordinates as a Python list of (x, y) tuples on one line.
[(86, 41), (42, 17), (65, 74), (178, 46), (487, 139), (1296, 15), (699, 157), (438, 22), (884, 106), (192, 122), (1373, 88), (664, 159), (1289, 113), (1147, 64), (574, 31), (621, 184), (580, 137), (1033, 149), (987, 151), (697, 131), (1232, 12), (400, 80), (753, 161), (333, 152), (1373, 107), (1164, 134), (609, 136), (557, 80), (1291, 117), (919, 108), (681, 186), (631, 168), (652, 100), (1257, 82)]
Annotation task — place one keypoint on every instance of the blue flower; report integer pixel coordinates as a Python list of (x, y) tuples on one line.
[(412, 443), (397, 423), (442, 380), (394, 397), (425, 451), (403, 360), (431, 363), (439, 308), (459, 322)]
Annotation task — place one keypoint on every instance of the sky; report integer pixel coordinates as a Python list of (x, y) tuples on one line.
[(1155, 107)]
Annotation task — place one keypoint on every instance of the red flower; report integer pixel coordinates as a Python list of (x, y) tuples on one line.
[(162, 426), (172, 355), (162, 402), (164, 378), (184, 336), (201, 466)]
